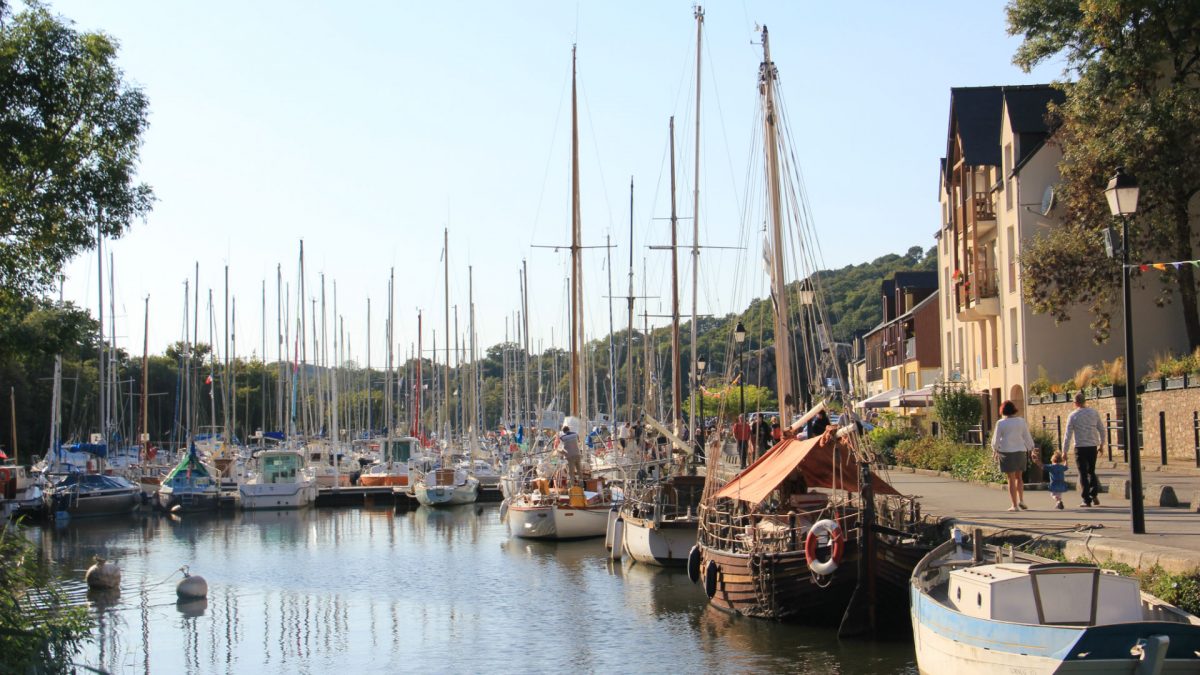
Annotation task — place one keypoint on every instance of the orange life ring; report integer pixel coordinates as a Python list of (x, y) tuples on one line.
[(4, 476), (837, 543)]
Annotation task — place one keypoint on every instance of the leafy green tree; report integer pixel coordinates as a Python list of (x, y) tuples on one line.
[(1135, 103), (41, 636), (957, 408), (70, 131)]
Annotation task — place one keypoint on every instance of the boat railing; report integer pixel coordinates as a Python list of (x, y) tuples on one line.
[(756, 532)]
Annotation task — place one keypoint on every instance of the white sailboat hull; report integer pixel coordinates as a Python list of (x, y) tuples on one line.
[(666, 544), (557, 521), (446, 495), (277, 495)]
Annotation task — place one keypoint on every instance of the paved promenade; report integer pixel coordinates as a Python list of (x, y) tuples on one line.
[(1172, 536)]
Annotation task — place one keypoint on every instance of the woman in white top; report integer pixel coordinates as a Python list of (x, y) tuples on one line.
[(1011, 443)]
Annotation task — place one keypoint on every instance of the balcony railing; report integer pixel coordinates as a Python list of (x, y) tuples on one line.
[(984, 208)]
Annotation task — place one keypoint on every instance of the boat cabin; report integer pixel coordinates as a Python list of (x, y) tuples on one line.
[(1060, 594), (400, 449), (281, 467)]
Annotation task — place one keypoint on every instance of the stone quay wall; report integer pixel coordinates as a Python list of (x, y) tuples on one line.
[(1170, 421)]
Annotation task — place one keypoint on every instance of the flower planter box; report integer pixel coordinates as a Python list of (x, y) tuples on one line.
[(1153, 385), (1191, 380), (1103, 392), (1035, 399), (1175, 382)]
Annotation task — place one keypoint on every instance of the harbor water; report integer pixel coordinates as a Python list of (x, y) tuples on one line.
[(447, 591)]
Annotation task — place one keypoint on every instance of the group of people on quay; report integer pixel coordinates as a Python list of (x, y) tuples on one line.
[(1013, 448)]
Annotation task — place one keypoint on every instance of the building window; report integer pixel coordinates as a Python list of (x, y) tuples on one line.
[(912, 381), (983, 350), (1012, 260), (994, 324), (1008, 184), (1012, 329), (960, 350), (949, 289)]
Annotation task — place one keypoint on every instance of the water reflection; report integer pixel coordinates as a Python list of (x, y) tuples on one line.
[(328, 590)]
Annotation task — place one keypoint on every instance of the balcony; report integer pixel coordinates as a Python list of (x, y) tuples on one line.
[(977, 298)]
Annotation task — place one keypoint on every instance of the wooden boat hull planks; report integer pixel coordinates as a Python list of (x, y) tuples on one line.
[(778, 585)]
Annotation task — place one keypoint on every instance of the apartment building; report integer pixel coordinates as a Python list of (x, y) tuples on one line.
[(996, 190), (902, 355)]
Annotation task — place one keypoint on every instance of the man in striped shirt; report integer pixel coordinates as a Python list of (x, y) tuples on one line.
[(1087, 429)]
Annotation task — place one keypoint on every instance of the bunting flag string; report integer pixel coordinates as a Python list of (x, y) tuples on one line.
[(1162, 266)]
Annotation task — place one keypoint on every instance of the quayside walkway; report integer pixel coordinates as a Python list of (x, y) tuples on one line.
[(1172, 537)]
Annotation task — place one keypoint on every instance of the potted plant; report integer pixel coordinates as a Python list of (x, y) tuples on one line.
[(1153, 380)]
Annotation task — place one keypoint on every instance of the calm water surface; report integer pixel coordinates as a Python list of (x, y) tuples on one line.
[(355, 591)]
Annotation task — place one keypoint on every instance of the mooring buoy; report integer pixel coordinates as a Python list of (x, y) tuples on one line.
[(102, 574), (191, 586)]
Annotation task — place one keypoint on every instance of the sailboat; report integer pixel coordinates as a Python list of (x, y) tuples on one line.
[(550, 507), (658, 520), (449, 485), (794, 535)]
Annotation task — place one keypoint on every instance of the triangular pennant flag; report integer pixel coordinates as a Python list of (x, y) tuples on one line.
[(1195, 263), (1143, 268), (1176, 264), (1160, 266)]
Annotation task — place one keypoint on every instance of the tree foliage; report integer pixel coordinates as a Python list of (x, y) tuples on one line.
[(35, 636), (70, 131), (957, 408), (1135, 102)]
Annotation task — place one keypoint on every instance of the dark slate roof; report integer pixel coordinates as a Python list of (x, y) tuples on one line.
[(1027, 107), (916, 279), (976, 112)]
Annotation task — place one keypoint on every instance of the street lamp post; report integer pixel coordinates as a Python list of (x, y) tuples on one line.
[(1122, 195), (739, 336)]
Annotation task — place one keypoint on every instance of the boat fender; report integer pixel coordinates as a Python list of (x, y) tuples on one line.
[(191, 586), (837, 541), (102, 574), (4, 476), (710, 578), (504, 511), (693, 564), (613, 514), (618, 539)]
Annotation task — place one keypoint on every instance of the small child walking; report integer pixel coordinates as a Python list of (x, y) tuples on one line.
[(1058, 478)]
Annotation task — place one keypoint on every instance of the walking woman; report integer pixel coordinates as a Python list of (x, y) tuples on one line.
[(1011, 443)]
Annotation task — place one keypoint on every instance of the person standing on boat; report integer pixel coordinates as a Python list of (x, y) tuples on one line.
[(741, 434), (818, 424), (761, 430), (569, 441), (1011, 443), (1085, 427)]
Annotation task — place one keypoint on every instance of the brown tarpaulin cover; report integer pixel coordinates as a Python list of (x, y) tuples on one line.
[(814, 456)]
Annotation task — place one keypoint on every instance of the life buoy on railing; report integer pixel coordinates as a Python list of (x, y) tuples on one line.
[(4, 476), (830, 530)]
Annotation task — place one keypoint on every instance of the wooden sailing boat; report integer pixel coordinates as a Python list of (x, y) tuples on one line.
[(769, 544), (552, 508), (658, 520)]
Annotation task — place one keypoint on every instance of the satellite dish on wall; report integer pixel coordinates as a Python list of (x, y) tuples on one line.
[(1048, 200)]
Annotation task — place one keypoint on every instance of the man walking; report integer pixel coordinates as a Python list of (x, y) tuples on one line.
[(741, 434), (1087, 429)]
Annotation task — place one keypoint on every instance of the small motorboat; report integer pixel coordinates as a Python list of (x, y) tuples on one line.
[(982, 609)]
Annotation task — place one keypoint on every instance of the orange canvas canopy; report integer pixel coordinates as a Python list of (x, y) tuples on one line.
[(814, 456)]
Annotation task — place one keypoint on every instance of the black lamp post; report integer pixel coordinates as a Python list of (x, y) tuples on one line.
[(1122, 195), (739, 336)]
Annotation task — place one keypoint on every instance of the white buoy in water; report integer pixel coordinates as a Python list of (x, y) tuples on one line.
[(191, 586), (103, 574)]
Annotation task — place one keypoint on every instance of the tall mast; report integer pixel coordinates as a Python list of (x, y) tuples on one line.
[(302, 340), (226, 384), (446, 379), (419, 384), (144, 438), (783, 356), (629, 336), (369, 427), (525, 317), (231, 373), (103, 388), (676, 376), (612, 355), (279, 348), (577, 395), (695, 379), (474, 417)]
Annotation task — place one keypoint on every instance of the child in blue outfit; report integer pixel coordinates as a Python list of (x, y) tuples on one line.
[(1058, 478)]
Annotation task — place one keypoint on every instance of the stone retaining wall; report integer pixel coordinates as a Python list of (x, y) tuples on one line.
[(1176, 410)]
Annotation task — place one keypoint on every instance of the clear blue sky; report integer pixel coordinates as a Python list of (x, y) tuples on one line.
[(366, 127)]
